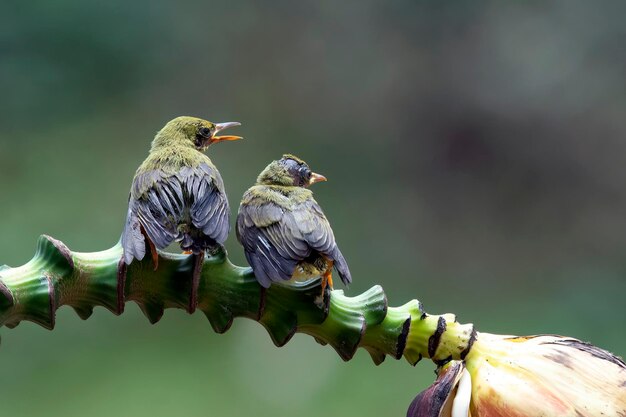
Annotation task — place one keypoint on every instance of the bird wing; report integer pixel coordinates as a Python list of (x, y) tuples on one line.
[(209, 209), (160, 202), (276, 239)]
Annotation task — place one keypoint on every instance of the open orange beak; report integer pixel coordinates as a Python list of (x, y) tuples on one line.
[(223, 126), (316, 178)]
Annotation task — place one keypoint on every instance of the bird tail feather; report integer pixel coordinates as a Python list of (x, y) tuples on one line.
[(342, 267), (133, 242)]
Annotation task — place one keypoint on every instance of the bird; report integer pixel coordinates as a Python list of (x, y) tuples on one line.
[(283, 230), (177, 194)]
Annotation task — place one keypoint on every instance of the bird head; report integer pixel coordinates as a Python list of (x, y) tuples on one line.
[(289, 171), (192, 131)]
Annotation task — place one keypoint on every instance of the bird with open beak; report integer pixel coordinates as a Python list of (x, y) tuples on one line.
[(283, 230), (177, 194)]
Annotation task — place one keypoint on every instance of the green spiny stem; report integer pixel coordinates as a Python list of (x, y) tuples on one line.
[(56, 276)]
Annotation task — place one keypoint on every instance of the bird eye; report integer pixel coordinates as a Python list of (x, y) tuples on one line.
[(205, 131)]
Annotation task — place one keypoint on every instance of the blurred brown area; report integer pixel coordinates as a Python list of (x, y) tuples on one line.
[(476, 160)]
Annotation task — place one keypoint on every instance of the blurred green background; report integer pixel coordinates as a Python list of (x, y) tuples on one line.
[(476, 154)]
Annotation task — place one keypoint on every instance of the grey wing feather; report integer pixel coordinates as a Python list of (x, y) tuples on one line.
[(276, 240), (256, 231), (314, 227), (210, 211), (159, 223), (160, 203), (319, 236)]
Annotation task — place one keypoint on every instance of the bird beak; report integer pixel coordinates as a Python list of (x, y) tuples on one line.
[(222, 126), (316, 178)]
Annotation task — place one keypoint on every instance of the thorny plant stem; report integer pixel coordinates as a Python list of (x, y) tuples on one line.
[(56, 276)]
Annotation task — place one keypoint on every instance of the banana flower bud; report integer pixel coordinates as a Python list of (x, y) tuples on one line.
[(533, 376)]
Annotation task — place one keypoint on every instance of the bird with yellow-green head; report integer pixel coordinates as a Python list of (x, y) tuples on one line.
[(284, 231), (178, 194)]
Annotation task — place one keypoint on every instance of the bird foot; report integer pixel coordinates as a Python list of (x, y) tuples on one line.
[(319, 301), (327, 283), (322, 301), (215, 250)]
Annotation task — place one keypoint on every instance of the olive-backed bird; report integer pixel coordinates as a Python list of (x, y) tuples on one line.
[(177, 194), (283, 230)]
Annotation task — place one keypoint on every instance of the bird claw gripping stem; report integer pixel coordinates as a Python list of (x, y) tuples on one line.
[(56, 276)]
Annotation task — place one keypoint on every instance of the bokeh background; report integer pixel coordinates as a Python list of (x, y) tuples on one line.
[(476, 154)]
